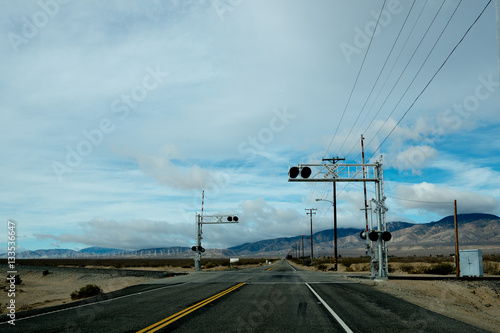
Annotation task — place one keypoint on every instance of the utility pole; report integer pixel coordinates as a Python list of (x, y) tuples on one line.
[(457, 252), (311, 212), (302, 249)]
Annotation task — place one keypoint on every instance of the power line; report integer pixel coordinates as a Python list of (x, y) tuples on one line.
[(352, 90), (432, 78), (401, 75), (356, 81), (379, 74), (418, 72), (388, 76)]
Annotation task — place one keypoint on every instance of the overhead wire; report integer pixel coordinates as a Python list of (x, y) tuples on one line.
[(378, 77), (418, 72), (388, 76), (357, 78), (403, 71), (432, 78), (353, 88)]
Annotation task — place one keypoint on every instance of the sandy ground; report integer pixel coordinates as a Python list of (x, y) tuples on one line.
[(37, 290), (56, 287), (473, 302)]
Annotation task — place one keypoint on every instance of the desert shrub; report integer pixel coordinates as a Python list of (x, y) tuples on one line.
[(86, 291), (390, 269), (45, 272), (187, 266), (440, 269), (406, 268), (363, 267), (321, 267), (347, 262), (209, 265), (413, 269), (491, 268), (492, 257), (349, 269)]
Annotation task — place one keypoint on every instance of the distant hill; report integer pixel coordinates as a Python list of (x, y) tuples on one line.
[(475, 230), (480, 231)]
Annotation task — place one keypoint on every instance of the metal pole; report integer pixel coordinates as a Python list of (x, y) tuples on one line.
[(497, 6), (302, 248), (378, 198), (457, 252), (364, 190), (335, 225), (311, 212), (197, 255)]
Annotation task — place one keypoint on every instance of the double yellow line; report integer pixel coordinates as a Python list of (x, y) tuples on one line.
[(271, 267), (164, 322)]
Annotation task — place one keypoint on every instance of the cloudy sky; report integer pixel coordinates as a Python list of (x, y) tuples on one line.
[(116, 115)]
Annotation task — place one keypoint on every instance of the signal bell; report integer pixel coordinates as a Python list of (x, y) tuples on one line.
[(196, 248), (374, 235), (386, 236)]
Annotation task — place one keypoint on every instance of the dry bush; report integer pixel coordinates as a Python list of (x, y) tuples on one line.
[(87, 291), (492, 268), (412, 268)]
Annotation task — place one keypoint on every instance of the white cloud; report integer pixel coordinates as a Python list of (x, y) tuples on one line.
[(414, 158), (439, 199), (161, 168), (136, 234)]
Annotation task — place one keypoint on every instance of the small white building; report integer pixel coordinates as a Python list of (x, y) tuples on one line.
[(471, 263)]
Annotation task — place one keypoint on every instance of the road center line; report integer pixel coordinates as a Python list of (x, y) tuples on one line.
[(164, 322), (271, 267), (339, 320)]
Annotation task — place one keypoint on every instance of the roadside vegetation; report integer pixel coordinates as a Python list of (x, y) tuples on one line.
[(437, 265), (141, 262), (87, 291)]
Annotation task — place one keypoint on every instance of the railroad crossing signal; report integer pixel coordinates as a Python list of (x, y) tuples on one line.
[(207, 219), (198, 248), (335, 172), (374, 235)]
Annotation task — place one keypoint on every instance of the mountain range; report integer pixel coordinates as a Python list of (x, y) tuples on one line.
[(477, 230)]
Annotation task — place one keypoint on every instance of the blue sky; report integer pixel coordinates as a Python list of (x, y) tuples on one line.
[(116, 115)]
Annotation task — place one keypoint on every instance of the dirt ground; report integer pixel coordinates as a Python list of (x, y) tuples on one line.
[(38, 290)]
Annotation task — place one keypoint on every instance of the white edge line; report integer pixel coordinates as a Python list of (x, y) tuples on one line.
[(94, 303), (340, 321)]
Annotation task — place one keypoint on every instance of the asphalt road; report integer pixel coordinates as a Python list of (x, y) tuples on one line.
[(275, 298)]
